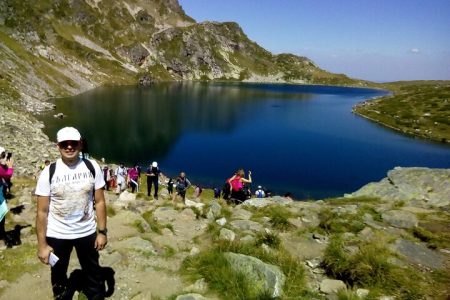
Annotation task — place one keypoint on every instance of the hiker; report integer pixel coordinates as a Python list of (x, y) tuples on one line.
[(182, 184), (106, 176), (121, 174), (133, 178), (237, 181), (6, 172), (153, 174), (170, 186), (66, 218), (197, 191), (260, 192), (216, 192)]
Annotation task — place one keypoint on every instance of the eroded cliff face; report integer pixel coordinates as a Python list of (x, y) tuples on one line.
[(54, 48)]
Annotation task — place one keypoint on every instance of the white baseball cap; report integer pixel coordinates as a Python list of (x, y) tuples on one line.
[(154, 164), (68, 134), (2, 150)]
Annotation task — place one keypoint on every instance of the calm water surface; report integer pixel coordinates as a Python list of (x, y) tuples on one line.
[(298, 139)]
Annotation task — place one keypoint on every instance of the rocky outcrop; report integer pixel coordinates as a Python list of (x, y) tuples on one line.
[(263, 277), (418, 185)]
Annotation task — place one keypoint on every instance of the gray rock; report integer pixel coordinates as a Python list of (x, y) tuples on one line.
[(331, 286), (215, 208), (221, 221), (420, 255), (227, 235), (263, 276), (241, 214), (258, 202), (400, 219), (362, 293), (191, 296), (247, 239), (411, 184), (200, 286), (136, 244), (247, 225)]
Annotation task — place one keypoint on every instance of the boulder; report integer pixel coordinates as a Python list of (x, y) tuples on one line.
[(264, 277), (258, 202), (331, 286), (411, 184), (227, 235), (247, 225), (400, 219), (420, 255), (191, 296)]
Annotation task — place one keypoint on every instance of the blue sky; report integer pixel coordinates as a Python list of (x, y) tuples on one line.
[(379, 40)]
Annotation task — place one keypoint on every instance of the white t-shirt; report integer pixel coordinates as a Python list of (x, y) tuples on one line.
[(71, 212)]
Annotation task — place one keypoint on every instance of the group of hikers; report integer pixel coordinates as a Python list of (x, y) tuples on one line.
[(71, 207), (122, 178), (235, 190)]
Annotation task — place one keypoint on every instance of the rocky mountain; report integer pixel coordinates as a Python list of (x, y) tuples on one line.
[(55, 48)]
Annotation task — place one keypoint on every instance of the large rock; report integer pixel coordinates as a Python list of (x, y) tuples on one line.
[(408, 184), (247, 225), (258, 202), (191, 296), (331, 286), (400, 219), (420, 255), (264, 277)]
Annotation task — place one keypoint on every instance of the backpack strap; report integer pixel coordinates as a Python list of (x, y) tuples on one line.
[(52, 171), (87, 162), (90, 166)]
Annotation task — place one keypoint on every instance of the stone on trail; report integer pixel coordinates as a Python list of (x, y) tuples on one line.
[(221, 221), (227, 235), (191, 296), (332, 286)]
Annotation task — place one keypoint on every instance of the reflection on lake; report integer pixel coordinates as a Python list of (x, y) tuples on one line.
[(301, 139)]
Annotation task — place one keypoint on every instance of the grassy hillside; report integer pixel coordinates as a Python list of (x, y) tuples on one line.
[(419, 108)]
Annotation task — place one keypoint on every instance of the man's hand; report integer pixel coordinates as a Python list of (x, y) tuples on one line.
[(43, 253), (100, 242)]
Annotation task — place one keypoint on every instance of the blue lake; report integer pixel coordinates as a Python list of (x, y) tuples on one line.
[(299, 139)]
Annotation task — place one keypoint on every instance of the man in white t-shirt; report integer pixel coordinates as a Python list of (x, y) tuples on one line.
[(66, 218)]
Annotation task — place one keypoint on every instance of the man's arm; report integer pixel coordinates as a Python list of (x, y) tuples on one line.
[(43, 203), (100, 210)]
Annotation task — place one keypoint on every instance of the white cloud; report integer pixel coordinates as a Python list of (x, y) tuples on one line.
[(414, 50)]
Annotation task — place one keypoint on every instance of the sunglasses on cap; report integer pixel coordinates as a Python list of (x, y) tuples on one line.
[(65, 144)]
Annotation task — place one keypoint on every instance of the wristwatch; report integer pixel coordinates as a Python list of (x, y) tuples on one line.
[(103, 231)]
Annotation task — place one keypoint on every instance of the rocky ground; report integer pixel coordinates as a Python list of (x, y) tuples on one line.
[(149, 240)]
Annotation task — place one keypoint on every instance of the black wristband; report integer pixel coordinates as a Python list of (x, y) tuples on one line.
[(103, 231)]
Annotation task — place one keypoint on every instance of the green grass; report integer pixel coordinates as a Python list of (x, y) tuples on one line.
[(370, 268), (419, 108), (212, 265), (19, 260), (332, 222), (278, 215), (152, 222)]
